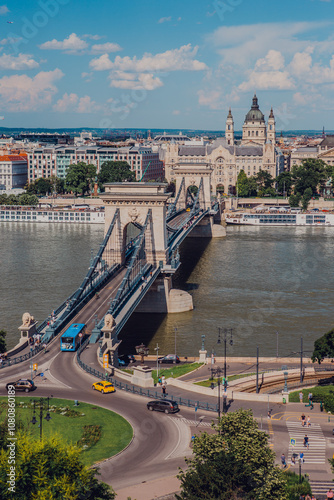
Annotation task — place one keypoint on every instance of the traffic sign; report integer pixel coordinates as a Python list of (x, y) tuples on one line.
[(34, 367), (293, 442), (80, 334), (196, 408)]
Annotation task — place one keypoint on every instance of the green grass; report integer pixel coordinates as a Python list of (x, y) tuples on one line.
[(318, 393), (176, 371), (207, 383), (116, 432)]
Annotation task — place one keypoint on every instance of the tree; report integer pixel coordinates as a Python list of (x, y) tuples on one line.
[(242, 184), (324, 347), (115, 171), (311, 173), (235, 463), (40, 186), (264, 182), (3, 347), (294, 200), (27, 199), (306, 198), (80, 177), (284, 183), (48, 470), (171, 188)]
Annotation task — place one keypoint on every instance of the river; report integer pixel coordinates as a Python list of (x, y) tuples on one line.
[(256, 281)]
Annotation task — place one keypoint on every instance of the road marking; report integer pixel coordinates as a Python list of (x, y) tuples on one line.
[(194, 422), (182, 446), (316, 453)]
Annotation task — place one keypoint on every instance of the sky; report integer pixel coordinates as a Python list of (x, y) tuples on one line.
[(176, 64)]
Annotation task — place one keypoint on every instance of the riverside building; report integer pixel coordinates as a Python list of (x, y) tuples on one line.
[(48, 161)]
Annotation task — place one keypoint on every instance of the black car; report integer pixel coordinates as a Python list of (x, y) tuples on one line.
[(165, 405), (25, 385), (170, 358)]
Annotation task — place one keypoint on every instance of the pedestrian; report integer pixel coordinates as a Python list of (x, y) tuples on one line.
[(301, 396), (313, 497), (269, 413), (306, 443), (163, 388), (163, 380), (283, 460), (321, 406), (293, 458), (310, 397), (307, 497), (330, 493), (159, 381), (308, 421), (303, 420)]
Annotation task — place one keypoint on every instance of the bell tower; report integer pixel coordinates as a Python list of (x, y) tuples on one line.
[(271, 130), (229, 130)]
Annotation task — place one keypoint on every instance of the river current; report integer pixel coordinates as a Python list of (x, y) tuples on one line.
[(256, 281)]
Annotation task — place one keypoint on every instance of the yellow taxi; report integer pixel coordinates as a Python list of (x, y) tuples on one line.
[(103, 386)]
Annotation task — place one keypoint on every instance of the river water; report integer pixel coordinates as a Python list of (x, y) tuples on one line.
[(256, 281)]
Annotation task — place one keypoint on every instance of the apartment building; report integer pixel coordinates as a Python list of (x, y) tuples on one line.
[(13, 171), (47, 161)]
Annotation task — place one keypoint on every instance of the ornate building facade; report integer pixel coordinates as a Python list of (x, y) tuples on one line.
[(256, 151)]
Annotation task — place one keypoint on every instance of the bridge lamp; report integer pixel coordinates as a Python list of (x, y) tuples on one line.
[(143, 351)]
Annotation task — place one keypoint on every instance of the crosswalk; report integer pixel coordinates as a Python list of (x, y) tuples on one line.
[(316, 453), (195, 423), (320, 488)]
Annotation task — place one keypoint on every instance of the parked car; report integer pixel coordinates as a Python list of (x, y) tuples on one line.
[(165, 405), (103, 387), (25, 385), (170, 358), (121, 362)]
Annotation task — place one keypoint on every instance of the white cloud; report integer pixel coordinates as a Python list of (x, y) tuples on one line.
[(268, 73), (92, 37), (3, 10), (171, 60), (211, 98), (301, 63), (21, 93), (75, 104), (66, 103), (104, 48), (88, 77), (22, 61), (139, 81), (71, 44), (164, 19), (243, 44), (176, 112), (10, 40)]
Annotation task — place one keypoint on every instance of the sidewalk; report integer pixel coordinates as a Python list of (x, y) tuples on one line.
[(162, 489)]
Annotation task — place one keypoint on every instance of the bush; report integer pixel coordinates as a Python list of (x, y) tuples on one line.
[(294, 488)]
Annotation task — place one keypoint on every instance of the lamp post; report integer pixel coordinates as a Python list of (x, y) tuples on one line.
[(218, 373), (41, 403), (157, 349), (175, 331), (142, 350), (226, 331)]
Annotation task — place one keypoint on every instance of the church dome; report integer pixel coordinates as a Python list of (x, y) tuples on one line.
[(254, 114)]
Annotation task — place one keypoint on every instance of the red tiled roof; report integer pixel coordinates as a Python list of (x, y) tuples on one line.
[(11, 158)]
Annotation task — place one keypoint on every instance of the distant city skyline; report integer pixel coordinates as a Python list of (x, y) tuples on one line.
[(177, 65)]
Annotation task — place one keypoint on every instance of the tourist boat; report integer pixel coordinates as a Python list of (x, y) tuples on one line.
[(277, 218), (57, 215)]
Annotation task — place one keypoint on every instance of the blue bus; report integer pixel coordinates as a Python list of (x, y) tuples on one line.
[(70, 339)]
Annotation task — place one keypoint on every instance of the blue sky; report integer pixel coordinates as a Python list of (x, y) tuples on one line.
[(175, 64)]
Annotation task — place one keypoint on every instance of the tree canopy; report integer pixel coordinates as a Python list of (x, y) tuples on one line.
[(312, 173), (3, 347), (324, 347), (234, 463), (80, 177), (47, 470), (115, 171), (44, 186), (284, 183), (21, 199)]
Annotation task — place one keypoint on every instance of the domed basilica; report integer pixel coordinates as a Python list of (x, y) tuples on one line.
[(227, 157)]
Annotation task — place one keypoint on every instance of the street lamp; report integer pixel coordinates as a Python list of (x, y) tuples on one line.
[(175, 331), (157, 349), (226, 331), (142, 350), (218, 373), (41, 402)]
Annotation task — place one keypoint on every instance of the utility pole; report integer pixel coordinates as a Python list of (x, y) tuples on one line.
[(301, 359), (175, 331), (257, 370), (157, 349)]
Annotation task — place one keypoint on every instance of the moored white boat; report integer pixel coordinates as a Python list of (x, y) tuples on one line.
[(55, 216), (280, 219)]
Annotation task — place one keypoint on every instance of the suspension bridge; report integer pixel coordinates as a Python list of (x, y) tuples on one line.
[(136, 274)]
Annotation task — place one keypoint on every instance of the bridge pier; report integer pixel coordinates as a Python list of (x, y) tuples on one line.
[(207, 229), (162, 298)]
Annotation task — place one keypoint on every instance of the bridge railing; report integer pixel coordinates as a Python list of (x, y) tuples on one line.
[(18, 359), (147, 392)]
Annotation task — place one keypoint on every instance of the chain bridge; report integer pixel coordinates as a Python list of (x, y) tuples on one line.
[(136, 274)]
